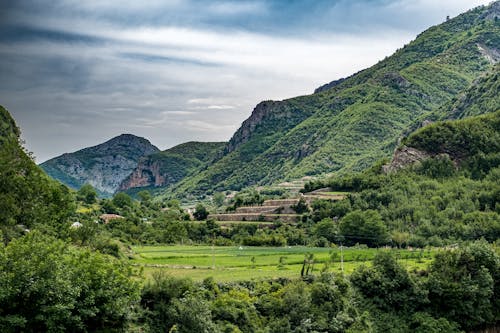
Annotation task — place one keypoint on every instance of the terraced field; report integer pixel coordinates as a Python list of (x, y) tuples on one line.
[(233, 263)]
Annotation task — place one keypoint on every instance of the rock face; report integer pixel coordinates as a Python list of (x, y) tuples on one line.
[(147, 173), (404, 157), (104, 166), (170, 166), (263, 111)]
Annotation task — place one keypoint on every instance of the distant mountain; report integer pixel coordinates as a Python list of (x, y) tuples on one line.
[(350, 123), (172, 165), (104, 166)]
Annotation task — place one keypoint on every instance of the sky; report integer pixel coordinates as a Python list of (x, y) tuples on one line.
[(77, 73)]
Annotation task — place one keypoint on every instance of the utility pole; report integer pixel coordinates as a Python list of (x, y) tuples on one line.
[(341, 259), (213, 252)]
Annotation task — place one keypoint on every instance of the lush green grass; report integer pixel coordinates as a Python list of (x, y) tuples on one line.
[(231, 263)]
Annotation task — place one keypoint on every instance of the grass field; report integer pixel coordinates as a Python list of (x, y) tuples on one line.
[(233, 263)]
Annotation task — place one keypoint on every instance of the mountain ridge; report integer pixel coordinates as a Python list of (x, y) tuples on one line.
[(350, 124), (104, 166)]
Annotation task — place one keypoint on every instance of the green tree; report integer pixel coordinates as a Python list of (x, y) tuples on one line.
[(62, 288), (87, 194), (464, 285), (200, 212), (388, 285), (122, 200), (364, 227), (218, 198), (326, 228), (145, 197)]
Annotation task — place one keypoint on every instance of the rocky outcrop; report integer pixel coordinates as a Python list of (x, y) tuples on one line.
[(104, 166), (146, 174), (172, 165), (262, 111), (403, 157)]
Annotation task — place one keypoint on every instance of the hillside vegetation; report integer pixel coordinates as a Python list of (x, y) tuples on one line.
[(359, 120), (172, 165)]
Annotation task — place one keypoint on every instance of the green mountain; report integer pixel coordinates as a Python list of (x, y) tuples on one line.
[(349, 124), (172, 165), (103, 166), (28, 198)]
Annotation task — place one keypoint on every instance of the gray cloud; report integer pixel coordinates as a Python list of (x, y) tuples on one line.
[(75, 73)]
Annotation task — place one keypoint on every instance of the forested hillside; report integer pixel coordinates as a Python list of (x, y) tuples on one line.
[(359, 120), (28, 198)]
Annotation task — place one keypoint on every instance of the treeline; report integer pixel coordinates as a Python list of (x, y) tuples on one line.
[(67, 288)]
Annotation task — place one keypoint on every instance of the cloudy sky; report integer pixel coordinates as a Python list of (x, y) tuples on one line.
[(76, 73)]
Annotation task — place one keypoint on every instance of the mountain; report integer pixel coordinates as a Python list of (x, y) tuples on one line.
[(103, 166), (28, 197), (350, 123), (170, 166)]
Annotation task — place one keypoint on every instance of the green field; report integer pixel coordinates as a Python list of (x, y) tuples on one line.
[(233, 263)]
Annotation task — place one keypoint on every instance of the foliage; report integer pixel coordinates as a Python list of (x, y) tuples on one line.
[(464, 285), (200, 212), (62, 288), (388, 285), (87, 194), (28, 198), (363, 227)]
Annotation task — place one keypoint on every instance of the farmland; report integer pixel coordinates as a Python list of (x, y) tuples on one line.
[(234, 263)]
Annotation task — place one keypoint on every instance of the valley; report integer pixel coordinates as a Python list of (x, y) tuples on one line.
[(370, 205)]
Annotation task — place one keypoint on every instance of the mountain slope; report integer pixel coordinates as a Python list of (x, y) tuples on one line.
[(170, 166), (28, 197), (481, 98), (349, 124), (103, 166)]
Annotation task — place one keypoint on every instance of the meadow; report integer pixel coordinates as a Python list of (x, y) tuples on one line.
[(236, 263)]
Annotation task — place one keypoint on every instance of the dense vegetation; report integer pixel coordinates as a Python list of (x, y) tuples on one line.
[(65, 265), (452, 196), (358, 121), (28, 198)]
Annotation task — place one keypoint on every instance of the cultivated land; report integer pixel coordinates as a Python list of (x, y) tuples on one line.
[(234, 263)]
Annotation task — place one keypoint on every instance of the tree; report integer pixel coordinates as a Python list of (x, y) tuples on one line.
[(326, 228), (301, 207), (388, 285), (122, 200), (364, 227), (145, 197), (218, 198), (62, 288), (464, 285), (200, 212), (400, 237), (87, 194)]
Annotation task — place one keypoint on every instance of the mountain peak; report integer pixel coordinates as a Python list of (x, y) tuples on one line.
[(104, 166)]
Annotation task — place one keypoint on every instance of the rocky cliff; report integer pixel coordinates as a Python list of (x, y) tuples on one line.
[(104, 166), (170, 166)]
